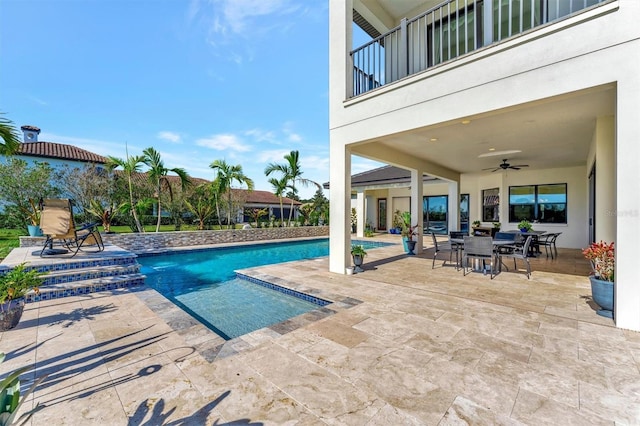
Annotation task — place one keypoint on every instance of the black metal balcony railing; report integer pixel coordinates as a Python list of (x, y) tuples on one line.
[(449, 30)]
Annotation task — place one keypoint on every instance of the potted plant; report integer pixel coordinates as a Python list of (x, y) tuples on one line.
[(475, 223), (33, 214), (358, 253), (397, 223), (14, 284), (408, 233), (524, 225), (495, 229), (602, 258)]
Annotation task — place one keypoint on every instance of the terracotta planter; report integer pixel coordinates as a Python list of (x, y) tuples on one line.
[(603, 294)]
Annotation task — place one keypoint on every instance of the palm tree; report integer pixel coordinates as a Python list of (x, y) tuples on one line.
[(226, 174), (279, 186), (10, 138), (129, 166), (292, 171), (158, 176)]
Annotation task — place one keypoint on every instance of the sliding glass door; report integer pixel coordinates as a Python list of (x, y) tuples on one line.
[(435, 214)]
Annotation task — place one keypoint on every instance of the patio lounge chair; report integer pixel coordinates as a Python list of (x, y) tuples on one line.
[(56, 221)]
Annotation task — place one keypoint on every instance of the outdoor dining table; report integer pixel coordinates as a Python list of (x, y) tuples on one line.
[(534, 248), (459, 242)]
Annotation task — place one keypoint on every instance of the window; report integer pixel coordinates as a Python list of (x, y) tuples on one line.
[(541, 203), (491, 205), (464, 212), (435, 210)]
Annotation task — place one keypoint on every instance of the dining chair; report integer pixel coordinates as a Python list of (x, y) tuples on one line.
[(444, 247), (521, 253), (480, 248), (547, 241)]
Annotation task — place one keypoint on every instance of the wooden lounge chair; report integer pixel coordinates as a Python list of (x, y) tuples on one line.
[(56, 221)]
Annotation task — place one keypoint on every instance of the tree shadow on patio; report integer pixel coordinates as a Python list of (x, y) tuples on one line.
[(160, 417), (67, 319)]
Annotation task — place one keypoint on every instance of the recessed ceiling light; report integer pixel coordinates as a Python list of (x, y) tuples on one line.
[(492, 149), (433, 139), (491, 154), (466, 121)]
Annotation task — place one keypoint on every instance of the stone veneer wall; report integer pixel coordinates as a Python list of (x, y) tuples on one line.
[(148, 241)]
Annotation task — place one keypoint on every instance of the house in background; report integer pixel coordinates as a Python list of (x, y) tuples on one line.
[(55, 154), (58, 155), (257, 199), (451, 89)]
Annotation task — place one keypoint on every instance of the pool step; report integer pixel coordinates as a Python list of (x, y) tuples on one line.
[(83, 274), (92, 285), (111, 269)]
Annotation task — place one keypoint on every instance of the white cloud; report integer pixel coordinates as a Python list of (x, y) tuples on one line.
[(294, 137), (272, 156), (239, 15), (360, 165), (223, 142), (38, 100), (314, 162), (260, 135), (170, 136), (101, 147)]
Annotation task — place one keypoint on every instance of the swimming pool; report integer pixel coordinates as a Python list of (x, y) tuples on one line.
[(204, 284)]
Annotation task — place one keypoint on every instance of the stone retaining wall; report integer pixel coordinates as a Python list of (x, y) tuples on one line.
[(140, 242)]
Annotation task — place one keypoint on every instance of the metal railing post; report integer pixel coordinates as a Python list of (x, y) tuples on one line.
[(488, 22), (403, 55)]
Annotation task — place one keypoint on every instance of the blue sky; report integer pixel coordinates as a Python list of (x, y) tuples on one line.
[(240, 80)]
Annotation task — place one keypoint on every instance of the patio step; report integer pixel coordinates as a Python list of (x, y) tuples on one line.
[(86, 286), (83, 274), (87, 272), (63, 264)]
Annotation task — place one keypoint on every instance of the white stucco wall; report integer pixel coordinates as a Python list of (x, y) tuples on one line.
[(595, 48)]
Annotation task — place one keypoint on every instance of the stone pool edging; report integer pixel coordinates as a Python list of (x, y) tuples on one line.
[(146, 241)]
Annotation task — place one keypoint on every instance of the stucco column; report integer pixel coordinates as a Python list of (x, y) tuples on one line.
[(340, 208), (340, 22), (626, 186), (453, 221), (417, 192), (361, 212)]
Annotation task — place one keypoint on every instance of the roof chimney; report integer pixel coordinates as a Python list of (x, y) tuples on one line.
[(30, 133)]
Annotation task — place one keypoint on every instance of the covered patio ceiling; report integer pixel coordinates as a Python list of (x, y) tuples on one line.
[(551, 133)]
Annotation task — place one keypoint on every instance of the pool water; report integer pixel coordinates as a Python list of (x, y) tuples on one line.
[(204, 284)]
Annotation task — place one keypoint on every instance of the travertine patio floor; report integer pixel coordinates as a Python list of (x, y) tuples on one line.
[(405, 344)]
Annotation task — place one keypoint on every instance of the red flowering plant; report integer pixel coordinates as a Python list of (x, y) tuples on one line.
[(603, 260)]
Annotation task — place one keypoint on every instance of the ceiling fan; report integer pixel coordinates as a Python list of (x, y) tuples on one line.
[(505, 166)]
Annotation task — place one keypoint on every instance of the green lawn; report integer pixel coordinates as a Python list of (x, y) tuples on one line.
[(9, 240)]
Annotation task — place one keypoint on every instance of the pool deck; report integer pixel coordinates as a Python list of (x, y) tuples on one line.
[(402, 345)]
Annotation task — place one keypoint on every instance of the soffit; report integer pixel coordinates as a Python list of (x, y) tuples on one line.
[(398, 9), (552, 133)]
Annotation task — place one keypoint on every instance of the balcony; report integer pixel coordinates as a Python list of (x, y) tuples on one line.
[(448, 31)]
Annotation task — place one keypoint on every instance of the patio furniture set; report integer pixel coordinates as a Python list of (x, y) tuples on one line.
[(504, 245)]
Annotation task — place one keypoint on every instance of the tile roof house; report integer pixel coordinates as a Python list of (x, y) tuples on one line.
[(451, 88), (56, 154)]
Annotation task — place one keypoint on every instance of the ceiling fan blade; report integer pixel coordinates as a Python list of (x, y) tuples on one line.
[(520, 165), (514, 168), (490, 168)]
